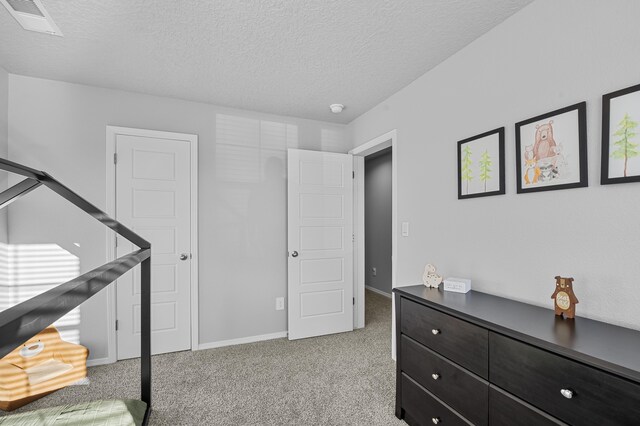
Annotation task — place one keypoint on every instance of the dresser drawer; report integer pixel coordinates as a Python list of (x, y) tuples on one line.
[(421, 409), (459, 389), (504, 408), (538, 376), (457, 340)]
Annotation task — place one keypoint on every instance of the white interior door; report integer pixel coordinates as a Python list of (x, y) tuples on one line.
[(153, 199), (320, 241)]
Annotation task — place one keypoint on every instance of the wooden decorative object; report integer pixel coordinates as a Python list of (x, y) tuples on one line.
[(430, 278), (43, 364), (564, 299)]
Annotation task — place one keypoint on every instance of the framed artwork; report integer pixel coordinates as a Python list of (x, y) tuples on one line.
[(551, 150), (481, 165), (620, 136)]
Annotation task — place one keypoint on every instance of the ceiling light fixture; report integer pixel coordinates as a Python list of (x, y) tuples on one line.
[(336, 108)]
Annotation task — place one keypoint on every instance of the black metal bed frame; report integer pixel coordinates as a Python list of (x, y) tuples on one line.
[(23, 321)]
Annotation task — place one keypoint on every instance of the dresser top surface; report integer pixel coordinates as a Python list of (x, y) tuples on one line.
[(606, 346)]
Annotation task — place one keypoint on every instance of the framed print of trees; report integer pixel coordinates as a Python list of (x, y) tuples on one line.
[(481, 165), (621, 136), (551, 150)]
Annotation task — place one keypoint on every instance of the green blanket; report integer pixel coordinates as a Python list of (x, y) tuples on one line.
[(127, 412)]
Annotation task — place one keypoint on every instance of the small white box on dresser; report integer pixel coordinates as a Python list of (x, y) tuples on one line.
[(457, 285)]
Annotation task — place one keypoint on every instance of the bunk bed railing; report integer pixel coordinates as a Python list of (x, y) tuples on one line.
[(18, 190), (23, 321)]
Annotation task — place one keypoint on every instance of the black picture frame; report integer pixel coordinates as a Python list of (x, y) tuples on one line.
[(605, 179), (500, 172), (582, 149)]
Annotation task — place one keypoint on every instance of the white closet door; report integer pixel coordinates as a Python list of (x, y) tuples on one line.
[(153, 199)]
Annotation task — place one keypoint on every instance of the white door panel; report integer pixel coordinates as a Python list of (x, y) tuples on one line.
[(153, 199), (321, 237), (320, 229)]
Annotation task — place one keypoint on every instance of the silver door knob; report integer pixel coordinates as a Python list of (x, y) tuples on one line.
[(184, 256), (567, 393), (435, 331), (435, 420), (294, 254), (435, 376)]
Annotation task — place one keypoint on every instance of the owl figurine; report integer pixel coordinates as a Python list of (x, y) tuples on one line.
[(430, 278)]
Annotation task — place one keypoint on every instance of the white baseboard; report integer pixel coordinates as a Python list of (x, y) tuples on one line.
[(375, 290), (242, 340), (98, 361), (212, 345)]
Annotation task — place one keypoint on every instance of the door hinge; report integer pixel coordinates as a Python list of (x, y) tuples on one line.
[(115, 158), (116, 241), (354, 301), (353, 174), (117, 325)]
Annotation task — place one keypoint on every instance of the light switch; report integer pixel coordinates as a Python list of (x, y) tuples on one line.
[(405, 229)]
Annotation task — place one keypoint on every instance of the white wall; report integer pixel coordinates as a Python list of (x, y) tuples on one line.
[(549, 55), (4, 143), (60, 128), (377, 221), (4, 112)]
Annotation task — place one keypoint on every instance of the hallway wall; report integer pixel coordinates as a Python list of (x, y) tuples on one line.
[(377, 220)]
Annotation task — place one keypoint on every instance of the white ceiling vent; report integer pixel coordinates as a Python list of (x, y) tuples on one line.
[(32, 16)]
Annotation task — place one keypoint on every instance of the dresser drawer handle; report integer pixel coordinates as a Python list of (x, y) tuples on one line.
[(435, 331), (567, 393), (435, 420), (435, 376)]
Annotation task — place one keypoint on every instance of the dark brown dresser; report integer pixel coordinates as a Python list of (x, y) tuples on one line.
[(479, 359)]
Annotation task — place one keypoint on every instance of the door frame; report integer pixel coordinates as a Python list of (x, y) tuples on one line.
[(111, 133), (389, 139)]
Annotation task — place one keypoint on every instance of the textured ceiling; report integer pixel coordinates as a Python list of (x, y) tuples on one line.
[(289, 57)]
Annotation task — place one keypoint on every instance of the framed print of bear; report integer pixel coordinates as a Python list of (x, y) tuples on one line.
[(551, 150), (481, 165), (621, 136)]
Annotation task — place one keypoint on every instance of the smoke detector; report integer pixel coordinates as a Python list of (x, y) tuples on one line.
[(336, 108), (32, 15)]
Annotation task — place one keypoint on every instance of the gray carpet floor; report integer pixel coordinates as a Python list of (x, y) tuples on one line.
[(341, 379)]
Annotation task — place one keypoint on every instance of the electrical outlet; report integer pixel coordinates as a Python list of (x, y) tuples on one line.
[(374, 271), (279, 303)]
